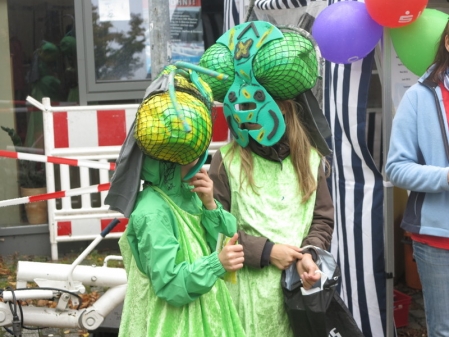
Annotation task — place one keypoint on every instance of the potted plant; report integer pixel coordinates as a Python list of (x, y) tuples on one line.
[(32, 181)]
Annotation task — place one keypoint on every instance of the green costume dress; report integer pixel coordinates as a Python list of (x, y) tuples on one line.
[(270, 214), (174, 285)]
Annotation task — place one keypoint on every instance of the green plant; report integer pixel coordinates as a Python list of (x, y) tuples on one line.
[(31, 173)]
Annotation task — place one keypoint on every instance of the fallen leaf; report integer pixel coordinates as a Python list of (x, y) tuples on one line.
[(4, 271), (42, 303)]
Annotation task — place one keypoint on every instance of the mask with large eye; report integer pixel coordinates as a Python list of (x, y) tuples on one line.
[(264, 64), (175, 124)]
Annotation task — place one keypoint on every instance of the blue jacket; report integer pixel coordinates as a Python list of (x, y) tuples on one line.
[(417, 160)]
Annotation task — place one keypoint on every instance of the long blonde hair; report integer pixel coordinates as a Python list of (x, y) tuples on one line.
[(300, 148)]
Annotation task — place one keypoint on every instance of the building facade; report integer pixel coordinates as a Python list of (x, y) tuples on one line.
[(79, 52)]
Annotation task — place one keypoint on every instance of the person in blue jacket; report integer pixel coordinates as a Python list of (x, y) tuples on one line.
[(418, 161)]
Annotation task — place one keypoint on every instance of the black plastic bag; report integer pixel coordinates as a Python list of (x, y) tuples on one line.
[(318, 312), (339, 320)]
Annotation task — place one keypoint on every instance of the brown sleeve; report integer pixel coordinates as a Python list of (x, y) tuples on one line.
[(252, 249), (217, 172), (252, 245), (320, 233)]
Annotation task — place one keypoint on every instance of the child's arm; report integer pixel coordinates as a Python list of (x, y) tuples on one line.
[(177, 282), (231, 256), (214, 218), (307, 270), (204, 188), (320, 233)]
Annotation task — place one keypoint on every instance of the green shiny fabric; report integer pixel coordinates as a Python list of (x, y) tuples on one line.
[(277, 214), (174, 285)]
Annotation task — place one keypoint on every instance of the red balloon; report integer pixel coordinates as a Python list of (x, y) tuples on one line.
[(395, 13)]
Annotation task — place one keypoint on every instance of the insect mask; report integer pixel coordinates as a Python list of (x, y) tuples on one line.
[(264, 63)]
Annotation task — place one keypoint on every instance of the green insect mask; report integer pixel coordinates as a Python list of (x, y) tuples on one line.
[(264, 64)]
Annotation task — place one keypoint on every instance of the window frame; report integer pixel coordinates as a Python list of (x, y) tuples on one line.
[(89, 89)]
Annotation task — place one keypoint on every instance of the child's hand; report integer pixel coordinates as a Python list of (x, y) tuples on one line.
[(307, 270), (231, 256), (282, 256), (204, 187)]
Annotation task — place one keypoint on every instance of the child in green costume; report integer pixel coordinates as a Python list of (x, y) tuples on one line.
[(271, 176), (174, 273)]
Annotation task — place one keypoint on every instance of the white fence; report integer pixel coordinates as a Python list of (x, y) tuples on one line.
[(93, 133)]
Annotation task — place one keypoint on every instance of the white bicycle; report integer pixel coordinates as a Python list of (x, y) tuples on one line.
[(63, 283)]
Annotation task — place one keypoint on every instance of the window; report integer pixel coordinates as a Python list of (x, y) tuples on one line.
[(114, 50)]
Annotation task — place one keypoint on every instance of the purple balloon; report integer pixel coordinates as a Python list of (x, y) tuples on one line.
[(345, 32)]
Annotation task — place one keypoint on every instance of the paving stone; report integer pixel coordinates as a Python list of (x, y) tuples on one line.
[(50, 332), (417, 314), (414, 325)]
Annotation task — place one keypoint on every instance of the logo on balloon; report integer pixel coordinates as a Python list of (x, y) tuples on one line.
[(353, 59), (416, 43), (406, 18), (390, 13)]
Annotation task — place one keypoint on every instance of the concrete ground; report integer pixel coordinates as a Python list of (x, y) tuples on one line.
[(56, 332), (416, 326), (416, 323), (50, 332), (417, 317)]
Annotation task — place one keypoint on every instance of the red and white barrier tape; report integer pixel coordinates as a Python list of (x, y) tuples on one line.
[(56, 195), (58, 160)]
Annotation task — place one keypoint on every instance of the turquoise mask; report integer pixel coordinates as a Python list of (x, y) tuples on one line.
[(264, 64), (244, 41)]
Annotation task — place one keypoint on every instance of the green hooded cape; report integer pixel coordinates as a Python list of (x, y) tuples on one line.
[(174, 284)]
